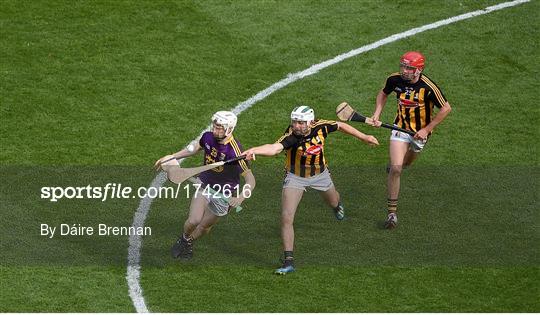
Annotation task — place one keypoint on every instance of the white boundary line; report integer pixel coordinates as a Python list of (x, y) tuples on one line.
[(135, 241)]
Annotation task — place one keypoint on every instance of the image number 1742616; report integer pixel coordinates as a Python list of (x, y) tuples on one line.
[(217, 191)]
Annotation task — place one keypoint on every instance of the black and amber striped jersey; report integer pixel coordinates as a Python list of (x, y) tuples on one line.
[(305, 154), (415, 101)]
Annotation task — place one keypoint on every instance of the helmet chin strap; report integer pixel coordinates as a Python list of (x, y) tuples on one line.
[(228, 132), (222, 139)]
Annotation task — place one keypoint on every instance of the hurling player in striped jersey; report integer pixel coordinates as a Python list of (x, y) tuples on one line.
[(306, 166), (416, 98)]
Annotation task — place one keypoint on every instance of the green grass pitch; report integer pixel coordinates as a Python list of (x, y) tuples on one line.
[(94, 92)]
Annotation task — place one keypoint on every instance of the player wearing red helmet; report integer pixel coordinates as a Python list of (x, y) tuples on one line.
[(411, 65), (416, 96)]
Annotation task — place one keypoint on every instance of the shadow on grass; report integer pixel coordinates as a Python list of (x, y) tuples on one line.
[(466, 216)]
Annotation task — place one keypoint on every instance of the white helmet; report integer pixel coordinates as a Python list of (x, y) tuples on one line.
[(303, 113), (226, 119)]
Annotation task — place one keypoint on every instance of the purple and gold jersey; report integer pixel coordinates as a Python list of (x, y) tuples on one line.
[(214, 152)]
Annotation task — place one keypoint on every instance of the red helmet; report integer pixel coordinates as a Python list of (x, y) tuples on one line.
[(413, 59)]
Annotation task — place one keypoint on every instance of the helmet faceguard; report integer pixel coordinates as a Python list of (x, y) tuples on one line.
[(411, 65), (302, 114), (225, 119)]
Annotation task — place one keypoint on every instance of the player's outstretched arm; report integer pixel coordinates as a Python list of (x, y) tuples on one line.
[(192, 149), (266, 150), (350, 130)]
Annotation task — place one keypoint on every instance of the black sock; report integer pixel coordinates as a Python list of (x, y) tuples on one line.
[(288, 255)]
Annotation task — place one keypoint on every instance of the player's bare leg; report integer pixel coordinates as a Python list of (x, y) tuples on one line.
[(398, 151), (332, 198), (290, 198), (409, 158), (196, 212), (183, 247), (204, 227)]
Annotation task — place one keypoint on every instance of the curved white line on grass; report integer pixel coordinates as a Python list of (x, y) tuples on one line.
[(135, 241)]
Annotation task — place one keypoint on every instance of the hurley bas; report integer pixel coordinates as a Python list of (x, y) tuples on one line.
[(100, 230)]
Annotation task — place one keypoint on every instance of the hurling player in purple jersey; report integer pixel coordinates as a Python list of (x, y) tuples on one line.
[(206, 205)]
